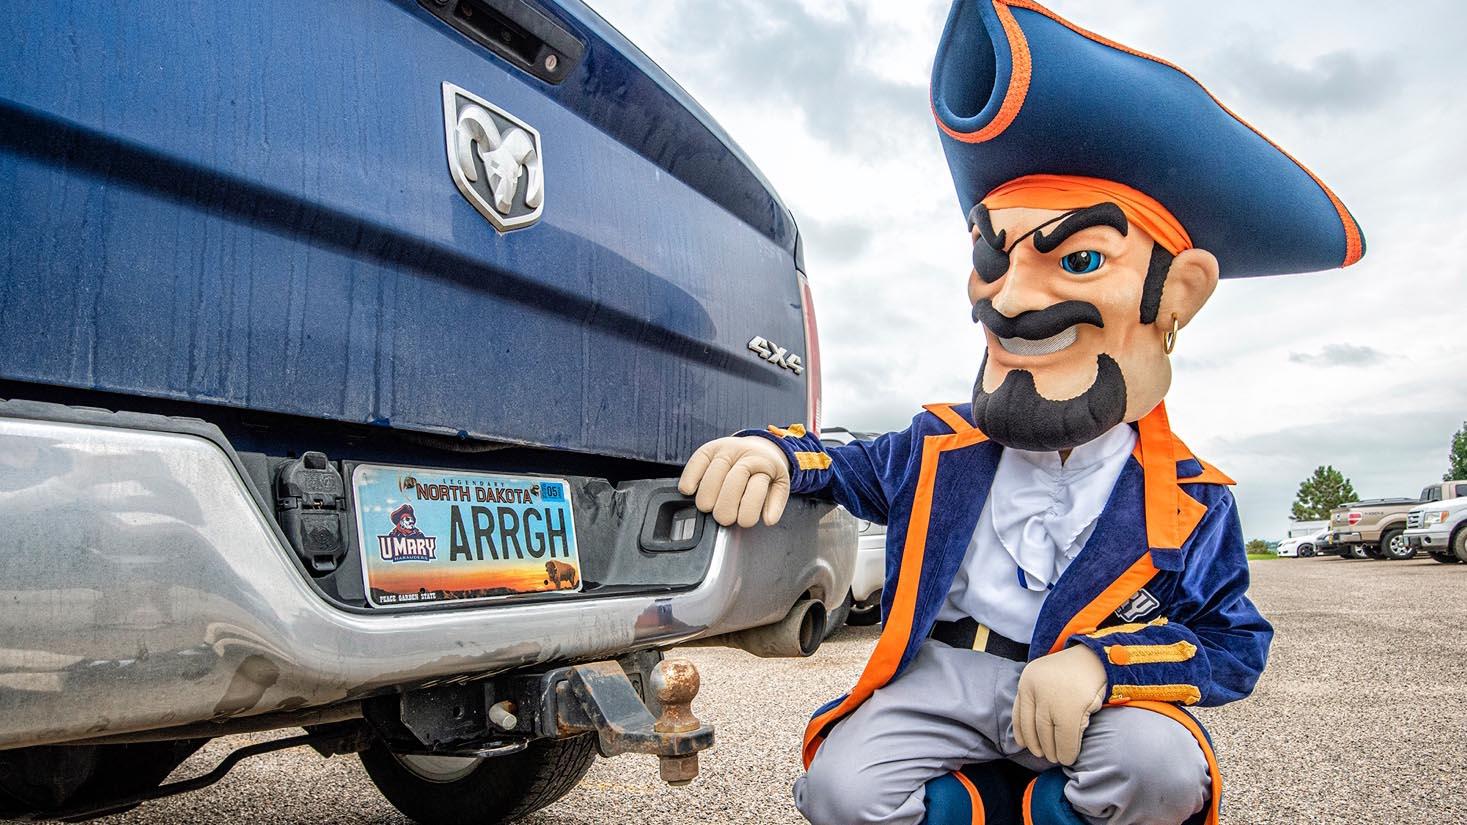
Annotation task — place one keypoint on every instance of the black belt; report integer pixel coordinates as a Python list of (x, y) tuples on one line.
[(969, 634)]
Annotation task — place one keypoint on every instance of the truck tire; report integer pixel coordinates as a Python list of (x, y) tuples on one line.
[(36, 781), (865, 616), (1444, 558), (469, 791), (1393, 546), (1459, 544), (837, 618)]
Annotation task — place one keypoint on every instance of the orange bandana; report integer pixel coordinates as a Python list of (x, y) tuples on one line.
[(1075, 192)]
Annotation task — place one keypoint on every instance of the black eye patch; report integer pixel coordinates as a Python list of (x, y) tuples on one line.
[(989, 263), (991, 259)]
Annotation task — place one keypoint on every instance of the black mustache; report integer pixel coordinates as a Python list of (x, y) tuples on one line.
[(1036, 324)]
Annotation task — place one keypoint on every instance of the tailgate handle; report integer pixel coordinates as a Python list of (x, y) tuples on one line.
[(515, 30)]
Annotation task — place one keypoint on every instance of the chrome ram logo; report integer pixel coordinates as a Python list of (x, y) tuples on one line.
[(495, 159)]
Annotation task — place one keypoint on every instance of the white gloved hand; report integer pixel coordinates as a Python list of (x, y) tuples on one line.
[(1057, 694), (737, 478)]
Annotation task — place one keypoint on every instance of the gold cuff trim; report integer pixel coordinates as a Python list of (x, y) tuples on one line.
[(1150, 654), (1186, 694), (813, 461), (792, 431), (1128, 628)]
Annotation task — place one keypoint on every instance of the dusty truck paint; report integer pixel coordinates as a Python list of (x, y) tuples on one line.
[(256, 252), (186, 605), (250, 205)]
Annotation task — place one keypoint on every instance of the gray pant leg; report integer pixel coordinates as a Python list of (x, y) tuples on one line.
[(948, 709), (1137, 767)]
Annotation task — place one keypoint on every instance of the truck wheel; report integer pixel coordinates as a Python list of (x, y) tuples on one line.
[(837, 618), (1393, 546), (36, 781), (865, 616), (1444, 558), (1459, 544), (451, 790)]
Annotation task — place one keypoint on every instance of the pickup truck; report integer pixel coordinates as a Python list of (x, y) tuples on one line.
[(1440, 529), (1376, 528), (349, 354)]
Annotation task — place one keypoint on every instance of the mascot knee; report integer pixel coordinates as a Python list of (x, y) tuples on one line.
[(1167, 772), (1167, 789), (834, 794)]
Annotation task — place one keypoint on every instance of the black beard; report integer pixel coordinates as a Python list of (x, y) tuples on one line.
[(1017, 416)]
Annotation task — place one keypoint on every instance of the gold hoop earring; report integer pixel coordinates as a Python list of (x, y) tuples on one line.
[(1169, 340)]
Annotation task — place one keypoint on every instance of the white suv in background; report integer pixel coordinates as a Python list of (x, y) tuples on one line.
[(870, 550)]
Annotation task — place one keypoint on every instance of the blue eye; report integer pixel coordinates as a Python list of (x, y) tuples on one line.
[(1080, 263)]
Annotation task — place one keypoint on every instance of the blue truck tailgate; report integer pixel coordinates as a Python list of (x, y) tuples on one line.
[(250, 205)]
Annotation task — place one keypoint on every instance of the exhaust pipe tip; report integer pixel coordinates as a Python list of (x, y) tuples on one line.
[(811, 626), (797, 635)]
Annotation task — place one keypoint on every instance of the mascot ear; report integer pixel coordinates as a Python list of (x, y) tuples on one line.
[(1189, 283)]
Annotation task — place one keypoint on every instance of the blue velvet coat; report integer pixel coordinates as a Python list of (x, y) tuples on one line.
[(1158, 592)]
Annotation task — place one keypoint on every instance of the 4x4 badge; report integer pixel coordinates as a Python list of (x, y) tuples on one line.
[(776, 354), (495, 159)]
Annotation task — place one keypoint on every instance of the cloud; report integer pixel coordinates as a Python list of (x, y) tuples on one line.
[(1340, 355), (821, 63), (1341, 81), (836, 241)]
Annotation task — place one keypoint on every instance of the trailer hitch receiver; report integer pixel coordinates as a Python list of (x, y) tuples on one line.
[(599, 697)]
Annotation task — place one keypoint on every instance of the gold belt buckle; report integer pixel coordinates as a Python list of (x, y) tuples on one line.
[(980, 638)]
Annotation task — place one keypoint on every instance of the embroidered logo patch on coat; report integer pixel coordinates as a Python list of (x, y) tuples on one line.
[(1138, 606)]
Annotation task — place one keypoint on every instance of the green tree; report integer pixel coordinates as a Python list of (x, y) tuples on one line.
[(1324, 491), (1255, 546), (1457, 456)]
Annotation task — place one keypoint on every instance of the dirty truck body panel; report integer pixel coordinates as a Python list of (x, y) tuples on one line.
[(233, 242), (188, 606), (249, 204)]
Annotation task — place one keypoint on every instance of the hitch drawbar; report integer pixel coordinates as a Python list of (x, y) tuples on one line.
[(599, 698)]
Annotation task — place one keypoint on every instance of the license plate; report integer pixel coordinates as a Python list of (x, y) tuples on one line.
[(433, 536)]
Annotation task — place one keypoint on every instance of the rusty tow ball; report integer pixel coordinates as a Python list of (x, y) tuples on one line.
[(674, 684), (599, 697)]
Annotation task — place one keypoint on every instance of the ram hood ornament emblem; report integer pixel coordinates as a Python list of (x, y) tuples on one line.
[(495, 159)]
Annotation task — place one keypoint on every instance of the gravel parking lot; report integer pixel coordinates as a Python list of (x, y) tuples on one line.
[(1360, 718)]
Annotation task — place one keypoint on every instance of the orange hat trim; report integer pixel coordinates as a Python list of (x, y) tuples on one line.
[(1077, 192)]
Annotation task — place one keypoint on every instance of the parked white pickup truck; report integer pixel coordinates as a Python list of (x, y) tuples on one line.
[(1439, 528)]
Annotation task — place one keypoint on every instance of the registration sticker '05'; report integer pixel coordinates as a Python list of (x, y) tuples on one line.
[(431, 536)]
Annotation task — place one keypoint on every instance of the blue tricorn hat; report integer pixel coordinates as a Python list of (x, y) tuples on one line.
[(1019, 91)]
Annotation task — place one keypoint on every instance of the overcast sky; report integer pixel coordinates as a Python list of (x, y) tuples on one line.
[(1364, 368)]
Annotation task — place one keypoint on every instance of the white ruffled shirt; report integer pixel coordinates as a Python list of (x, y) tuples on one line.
[(1039, 514)]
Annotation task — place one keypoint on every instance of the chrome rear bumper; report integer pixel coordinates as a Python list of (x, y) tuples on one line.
[(142, 586)]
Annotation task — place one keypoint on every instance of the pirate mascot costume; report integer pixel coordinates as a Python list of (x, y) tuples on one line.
[(1063, 575)]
